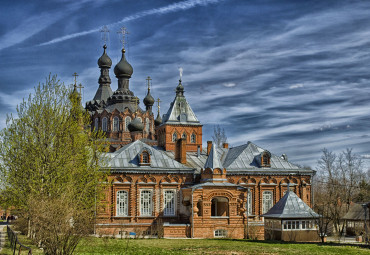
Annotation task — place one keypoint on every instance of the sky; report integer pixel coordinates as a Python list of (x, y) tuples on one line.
[(290, 76)]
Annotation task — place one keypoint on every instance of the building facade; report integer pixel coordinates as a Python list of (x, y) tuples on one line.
[(164, 182)]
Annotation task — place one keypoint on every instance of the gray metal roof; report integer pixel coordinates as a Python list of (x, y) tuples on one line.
[(103, 92), (290, 206), (180, 112), (213, 160), (219, 185), (127, 158), (357, 212)]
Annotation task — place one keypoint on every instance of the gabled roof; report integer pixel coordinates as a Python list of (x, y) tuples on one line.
[(213, 160), (127, 158), (180, 112), (290, 206), (357, 212), (246, 157)]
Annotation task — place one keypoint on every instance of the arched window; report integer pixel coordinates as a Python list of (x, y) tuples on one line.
[(265, 159), (96, 124), (249, 205), (105, 124), (139, 118), (146, 203), (147, 125), (174, 137), (169, 203), (122, 203), (115, 124), (193, 138), (145, 158), (267, 201), (219, 207), (183, 136), (127, 122)]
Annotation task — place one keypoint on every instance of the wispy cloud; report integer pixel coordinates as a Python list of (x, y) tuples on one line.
[(180, 6)]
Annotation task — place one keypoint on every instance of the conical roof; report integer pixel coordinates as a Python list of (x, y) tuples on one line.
[(290, 206)]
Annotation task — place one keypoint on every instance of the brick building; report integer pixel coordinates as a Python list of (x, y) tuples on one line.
[(164, 181)]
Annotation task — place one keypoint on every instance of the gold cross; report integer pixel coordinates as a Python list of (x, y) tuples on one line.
[(75, 75), (148, 79), (104, 33), (123, 32), (80, 87)]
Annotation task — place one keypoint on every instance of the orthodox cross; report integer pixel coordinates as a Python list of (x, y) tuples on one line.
[(181, 70), (123, 33), (80, 87), (136, 100), (104, 34), (159, 107), (75, 75), (148, 79)]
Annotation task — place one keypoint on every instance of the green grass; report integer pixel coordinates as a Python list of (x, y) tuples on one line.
[(93, 245)]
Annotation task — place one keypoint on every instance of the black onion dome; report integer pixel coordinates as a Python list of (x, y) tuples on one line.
[(135, 125), (149, 100), (123, 68), (158, 120), (104, 60)]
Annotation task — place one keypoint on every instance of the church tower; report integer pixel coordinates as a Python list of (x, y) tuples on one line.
[(180, 122)]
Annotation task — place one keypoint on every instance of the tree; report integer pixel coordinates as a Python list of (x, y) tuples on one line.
[(337, 185), (219, 137), (49, 166)]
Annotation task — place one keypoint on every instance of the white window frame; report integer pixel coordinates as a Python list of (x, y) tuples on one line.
[(122, 203), (146, 204), (169, 207), (115, 124), (267, 203), (249, 204), (220, 233), (105, 124), (127, 122)]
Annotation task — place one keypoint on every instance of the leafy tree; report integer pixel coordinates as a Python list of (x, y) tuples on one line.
[(219, 137), (49, 160)]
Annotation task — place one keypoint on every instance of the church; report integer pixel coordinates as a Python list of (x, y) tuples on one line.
[(164, 181)]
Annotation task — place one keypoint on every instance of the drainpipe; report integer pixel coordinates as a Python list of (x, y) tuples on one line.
[(192, 214)]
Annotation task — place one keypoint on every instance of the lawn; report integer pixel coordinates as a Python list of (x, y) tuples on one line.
[(93, 245)]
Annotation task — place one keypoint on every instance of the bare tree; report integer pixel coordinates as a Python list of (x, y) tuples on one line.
[(219, 137)]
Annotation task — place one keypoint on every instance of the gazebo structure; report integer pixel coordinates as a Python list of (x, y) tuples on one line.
[(291, 219)]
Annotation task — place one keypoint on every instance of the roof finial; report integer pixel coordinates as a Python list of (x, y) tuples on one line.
[(158, 102), (123, 32), (148, 79), (75, 75), (80, 87), (181, 70), (104, 34)]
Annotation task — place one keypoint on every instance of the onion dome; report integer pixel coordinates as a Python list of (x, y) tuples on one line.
[(158, 120), (104, 60), (135, 125), (123, 68), (149, 100)]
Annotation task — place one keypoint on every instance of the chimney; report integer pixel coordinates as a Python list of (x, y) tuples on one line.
[(198, 151), (225, 145), (209, 147), (180, 151)]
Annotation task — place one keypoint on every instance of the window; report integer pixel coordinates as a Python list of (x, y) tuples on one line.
[(266, 201), (249, 204), (183, 136), (174, 137), (96, 124), (220, 207), (145, 158), (169, 203), (122, 203), (115, 124), (193, 138), (146, 203), (265, 159), (140, 119), (104, 124), (220, 233), (127, 122), (147, 125)]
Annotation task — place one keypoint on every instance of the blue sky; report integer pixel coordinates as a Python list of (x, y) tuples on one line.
[(291, 76)]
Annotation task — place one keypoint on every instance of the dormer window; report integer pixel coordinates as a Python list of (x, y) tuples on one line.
[(266, 159), (174, 137), (144, 158)]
